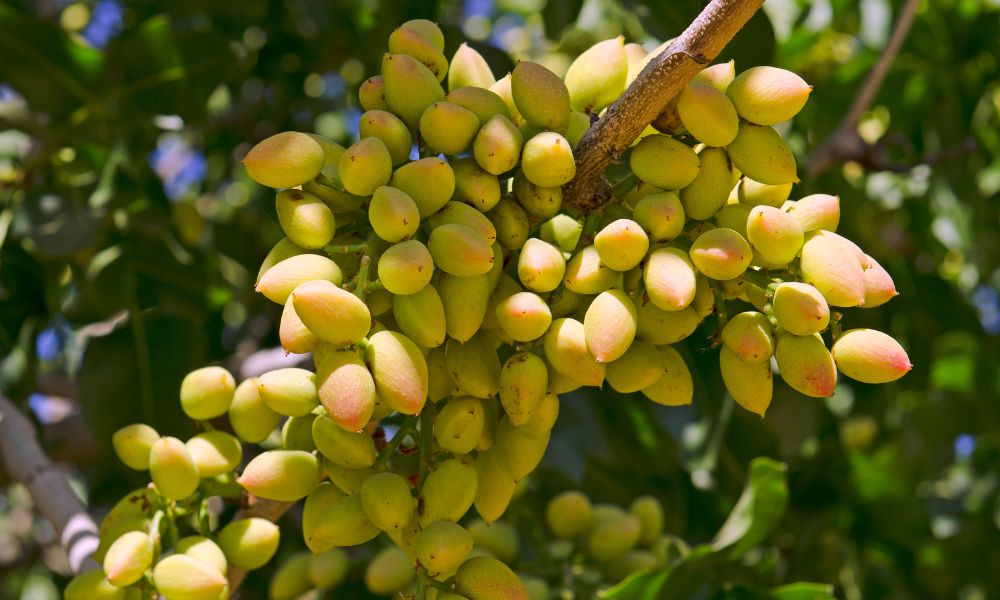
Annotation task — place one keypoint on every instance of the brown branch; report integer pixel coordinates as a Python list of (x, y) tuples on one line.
[(50, 491), (662, 79), (845, 143), (264, 509)]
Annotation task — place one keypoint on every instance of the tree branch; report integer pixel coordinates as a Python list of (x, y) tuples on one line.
[(662, 79), (845, 143), (49, 489)]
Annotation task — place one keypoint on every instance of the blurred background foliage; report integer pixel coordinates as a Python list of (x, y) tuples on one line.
[(130, 238)]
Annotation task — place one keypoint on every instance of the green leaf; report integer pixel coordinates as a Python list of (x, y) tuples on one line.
[(793, 591), (761, 505), (54, 74)]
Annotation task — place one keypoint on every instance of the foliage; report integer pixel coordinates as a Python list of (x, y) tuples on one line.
[(129, 240)]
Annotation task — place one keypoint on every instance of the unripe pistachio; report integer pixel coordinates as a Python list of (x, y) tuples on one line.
[(638, 368), (664, 162), (735, 217), (524, 316), (204, 550), (502, 88), (539, 425), (754, 193), (294, 335), (661, 214), (879, 287), (597, 77), (345, 388), (708, 114), (518, 454), (817, 211), (335, 315), (481, 101), (284, 160), (414, 43), (328, 569), (511, 223), (132, 444), (474, 366), (429, 182), (409, 87), (707, 194), (538, 201), (331, 519), (349, 480), (870, 356), (282, 475), (500, 538), (761, 154), (540, 266), (391, 130), (460, 213), (578, 125), (658, 326), (291, 578), (183, 577), (172, 469), (459, 250), (448, 491), (448, 128), (249, 543), (523, 384), (749, 336), (568, 514), (249, 416), (393, 214), (721, 254), (497, 146), (474, 186), (486, 578), (547, 160), (586, 274), (406, 268), (386, 500), (670, 278), (465, 300), (371, 94), (128, 558), (305, 219), (830, 264), (675, 387), (421, 317), (566, 350), (214, 452), (540, 96), (800, 309), (749, 383), (469, 68), (459, 425), (92, 585), (562, 231), (610, 541), (351, 449), (399, 370), (389, 572), (495, 487), (768, 95), (365, 166), (621, 244), (806, 365), (775, 235), (296, 433), (207, 392), (649, 511), (610, 325), (290, 391), (718, 76), (442, 546), (278, 282)]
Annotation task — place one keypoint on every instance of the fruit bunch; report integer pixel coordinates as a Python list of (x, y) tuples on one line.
[(448, 297)]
